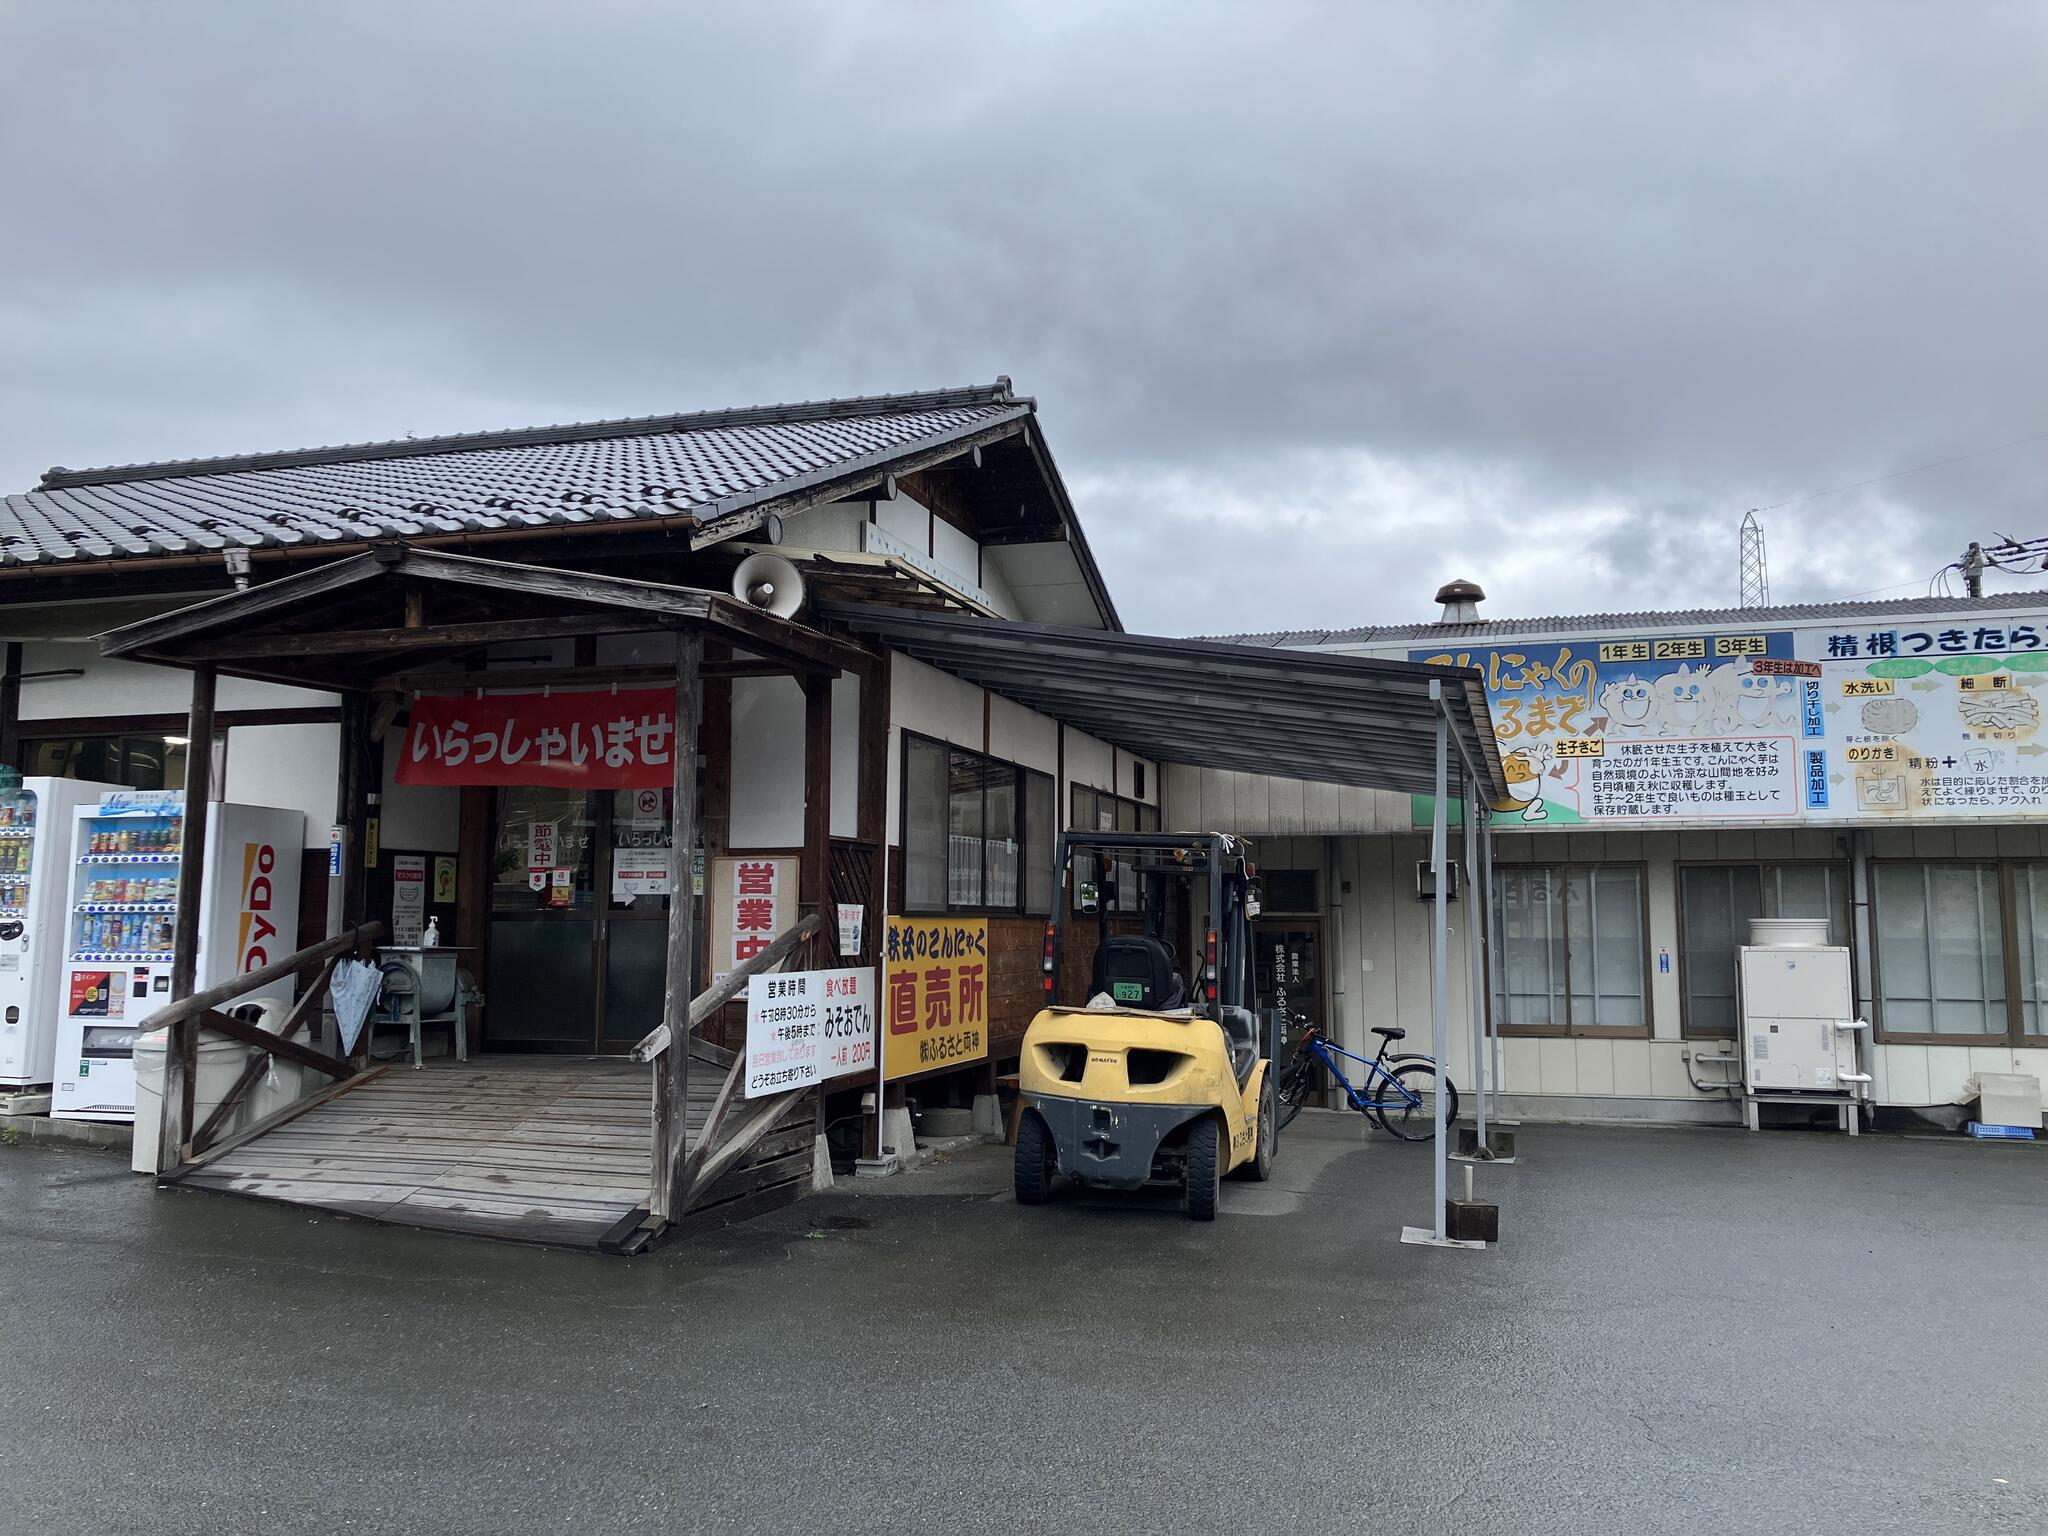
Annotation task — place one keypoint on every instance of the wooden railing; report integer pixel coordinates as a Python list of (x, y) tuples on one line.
[(177, 1141), (678, 1169)]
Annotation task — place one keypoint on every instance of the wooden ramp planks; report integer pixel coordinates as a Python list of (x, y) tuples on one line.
[(532, 1149)]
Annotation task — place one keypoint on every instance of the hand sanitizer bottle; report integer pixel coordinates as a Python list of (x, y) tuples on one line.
[(431, 939)]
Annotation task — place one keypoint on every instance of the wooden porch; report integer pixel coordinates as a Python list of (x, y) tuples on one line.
[(532, 1149)]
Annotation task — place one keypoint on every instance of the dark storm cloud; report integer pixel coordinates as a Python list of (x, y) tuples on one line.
[(1321, 304)]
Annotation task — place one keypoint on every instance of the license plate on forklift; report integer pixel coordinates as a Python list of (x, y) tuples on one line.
[(1127, 991)]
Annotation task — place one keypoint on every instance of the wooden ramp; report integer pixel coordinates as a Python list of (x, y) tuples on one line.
[(534, 1149)]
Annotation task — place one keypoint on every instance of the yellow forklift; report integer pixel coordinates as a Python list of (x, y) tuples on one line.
[(1156, 1075)]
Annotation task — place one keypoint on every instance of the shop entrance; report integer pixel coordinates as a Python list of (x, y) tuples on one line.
[(1288, 955), (579, 907)]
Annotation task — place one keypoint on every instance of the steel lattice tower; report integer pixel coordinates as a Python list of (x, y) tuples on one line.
[(1756, 575)]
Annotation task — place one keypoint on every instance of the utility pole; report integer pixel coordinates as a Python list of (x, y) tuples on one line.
[(1973, 569)]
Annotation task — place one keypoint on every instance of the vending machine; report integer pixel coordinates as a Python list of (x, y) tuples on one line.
[(35, 837), (126, 849)]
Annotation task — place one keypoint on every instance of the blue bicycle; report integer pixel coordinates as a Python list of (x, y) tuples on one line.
[(1396, 1092)]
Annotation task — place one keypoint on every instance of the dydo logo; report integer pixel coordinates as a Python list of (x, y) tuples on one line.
[(252, 943)]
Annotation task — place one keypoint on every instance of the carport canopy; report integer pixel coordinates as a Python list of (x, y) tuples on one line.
[(1349, 720)]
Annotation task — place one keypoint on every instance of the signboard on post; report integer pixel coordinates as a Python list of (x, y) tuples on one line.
[(808, 1027), (597, 740), (753, 899), (408, 897), (1935, 719), (935, 993)]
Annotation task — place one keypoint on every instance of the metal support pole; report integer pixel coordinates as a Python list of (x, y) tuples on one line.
[(1440, 979), (1492, 1016), (1475, 960)]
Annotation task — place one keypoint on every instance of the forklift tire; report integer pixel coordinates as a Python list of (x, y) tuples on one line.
[(1204, 1170), (1259, 1166), (1035, 1164)]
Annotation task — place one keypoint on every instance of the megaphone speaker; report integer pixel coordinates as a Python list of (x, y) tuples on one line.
[(770, 583)]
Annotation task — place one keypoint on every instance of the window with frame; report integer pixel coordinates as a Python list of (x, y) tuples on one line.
[(1572, 949), (1097, 810), (978, 832), (1941, 968), (1715, 905)]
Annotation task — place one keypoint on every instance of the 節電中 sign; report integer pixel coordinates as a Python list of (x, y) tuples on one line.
[(935, 993), (807, 1027), (597, 740), (408, 897), (752, 900)]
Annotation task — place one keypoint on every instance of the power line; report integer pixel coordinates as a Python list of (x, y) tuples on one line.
[(1975, 453)]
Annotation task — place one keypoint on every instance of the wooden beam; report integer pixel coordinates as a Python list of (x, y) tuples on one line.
[(814, 869), (181, 1046), (252, 1034), (672, 1115), (10, 707), (714, 997), (302, 1011), (197, 1003), (344, 642), (462, 681)]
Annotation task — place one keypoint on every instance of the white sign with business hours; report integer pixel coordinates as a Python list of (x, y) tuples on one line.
[(808, 1027)]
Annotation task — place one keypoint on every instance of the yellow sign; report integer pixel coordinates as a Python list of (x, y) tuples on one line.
[(1865, 687), (934, 993), (1580, 746), (1741, 645)]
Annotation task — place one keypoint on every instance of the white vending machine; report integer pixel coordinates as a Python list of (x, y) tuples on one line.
[(35, 840), (126, 848)]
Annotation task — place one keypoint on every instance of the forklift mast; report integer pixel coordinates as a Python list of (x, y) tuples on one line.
[(1221, 972)]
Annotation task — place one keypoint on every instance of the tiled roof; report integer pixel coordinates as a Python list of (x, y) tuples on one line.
[(703, 467), (1674, 618)]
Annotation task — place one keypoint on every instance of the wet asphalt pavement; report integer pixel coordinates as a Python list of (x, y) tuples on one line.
[(1683, 1331)]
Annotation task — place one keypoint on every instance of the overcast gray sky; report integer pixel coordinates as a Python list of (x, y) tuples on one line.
[(1322, 304)]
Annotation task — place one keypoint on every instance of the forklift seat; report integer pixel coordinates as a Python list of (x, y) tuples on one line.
[(1241, 1030), (1136, 960)]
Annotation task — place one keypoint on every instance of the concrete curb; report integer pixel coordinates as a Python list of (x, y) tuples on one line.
[(85, 1133)]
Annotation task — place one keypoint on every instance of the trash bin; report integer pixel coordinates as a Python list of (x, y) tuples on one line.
[(221, 1061)]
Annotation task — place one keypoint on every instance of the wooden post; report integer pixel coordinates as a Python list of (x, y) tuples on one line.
[(10, 708), (813, 884), (814, 874), (872, 788), (672, 1117), (181, 1050)]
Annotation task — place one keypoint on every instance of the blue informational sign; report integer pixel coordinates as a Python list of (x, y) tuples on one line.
[(1816, 781)]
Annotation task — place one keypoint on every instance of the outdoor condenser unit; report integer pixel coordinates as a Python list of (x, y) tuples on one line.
[(1799, 1024)]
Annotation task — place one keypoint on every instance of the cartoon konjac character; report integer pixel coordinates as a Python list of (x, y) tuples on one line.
[(1627, 705), (1523, 771), (1684, 700), (1755, 694)]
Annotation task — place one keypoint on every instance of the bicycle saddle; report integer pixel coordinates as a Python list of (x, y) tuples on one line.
[(1391, 1034)]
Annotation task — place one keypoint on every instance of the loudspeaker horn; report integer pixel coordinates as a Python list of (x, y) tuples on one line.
[(770, 583)]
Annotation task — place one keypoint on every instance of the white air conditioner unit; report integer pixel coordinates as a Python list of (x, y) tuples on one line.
[(1798, 1010)]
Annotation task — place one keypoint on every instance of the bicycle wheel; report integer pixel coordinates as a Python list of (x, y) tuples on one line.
[(1304, 1075), (1410, 1115)]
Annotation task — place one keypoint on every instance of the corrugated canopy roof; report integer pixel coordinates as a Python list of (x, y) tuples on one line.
[(1334, 719)]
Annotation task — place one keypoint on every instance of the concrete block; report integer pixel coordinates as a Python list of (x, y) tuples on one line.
[(876, 1167), (946, 1122), (898, 1135), (1471, 1221), (988, 1117), (821, 1164)]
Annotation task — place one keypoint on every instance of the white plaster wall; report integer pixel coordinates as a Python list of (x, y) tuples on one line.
[(289, 766), (767, 763), (908, 519), (112, 687), (931, 703), (836, 525), (424, 818), (954, 549)]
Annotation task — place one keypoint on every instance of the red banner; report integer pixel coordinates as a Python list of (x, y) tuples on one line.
[(623, 740)]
